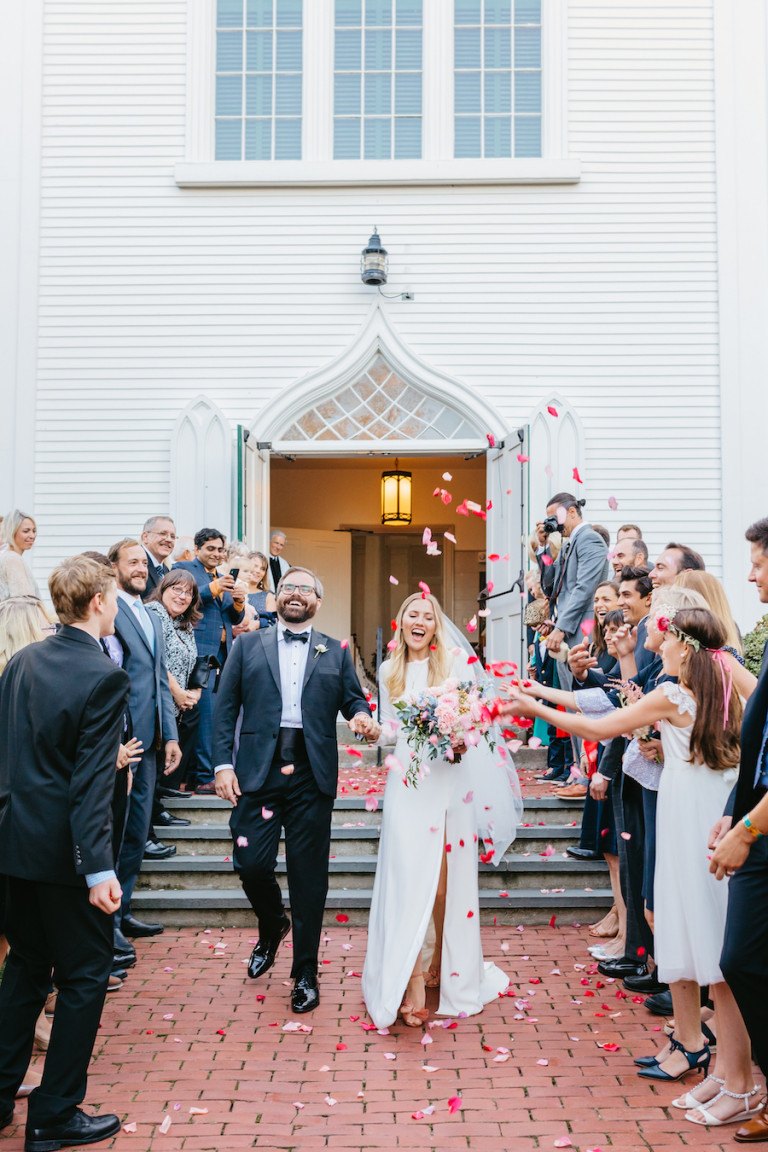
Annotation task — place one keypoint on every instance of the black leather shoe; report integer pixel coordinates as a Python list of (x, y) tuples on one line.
[(125, 953), (648, 984), (551, 777), (79, 1129), (306, 994), (583, 854), (263, 955), (154, 850), (660, 1004), (168, 820), (133, 927), (6, 1119), (172, 794), (623, 967)]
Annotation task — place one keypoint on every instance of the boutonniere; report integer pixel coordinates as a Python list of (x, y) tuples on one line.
[(319, 649)]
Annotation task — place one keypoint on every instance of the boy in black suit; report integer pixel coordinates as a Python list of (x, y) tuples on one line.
[(62, 704)]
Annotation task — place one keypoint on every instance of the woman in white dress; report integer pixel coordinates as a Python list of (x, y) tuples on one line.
[(428, 851), (699, 721), (18, 531)]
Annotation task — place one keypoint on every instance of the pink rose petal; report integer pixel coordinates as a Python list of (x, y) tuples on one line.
[(266, 814)]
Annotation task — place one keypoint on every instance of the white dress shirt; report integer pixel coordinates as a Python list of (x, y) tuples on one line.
[(293, 656)]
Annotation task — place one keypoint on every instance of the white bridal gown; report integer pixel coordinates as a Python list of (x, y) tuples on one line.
[(419, 825), (690, 905)]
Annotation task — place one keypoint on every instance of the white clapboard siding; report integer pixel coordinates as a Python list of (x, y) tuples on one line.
[(604, 292)]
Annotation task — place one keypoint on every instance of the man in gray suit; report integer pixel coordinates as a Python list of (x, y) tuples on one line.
[(153, 722), (581, 565)]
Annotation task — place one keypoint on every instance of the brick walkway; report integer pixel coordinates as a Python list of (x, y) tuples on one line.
[(190, 1031)]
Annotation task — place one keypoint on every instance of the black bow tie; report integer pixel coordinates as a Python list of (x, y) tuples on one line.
[(289, 637)]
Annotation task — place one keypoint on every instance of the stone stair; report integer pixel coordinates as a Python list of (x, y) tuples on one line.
[(198, 887)]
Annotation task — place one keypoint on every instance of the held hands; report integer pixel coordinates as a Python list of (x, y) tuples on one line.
[(172, 756), (227, 787), (129, 753), (731, 851), (719, 831), (364, 725), (106, 896)]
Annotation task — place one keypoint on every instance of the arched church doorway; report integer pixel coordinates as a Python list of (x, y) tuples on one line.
[(311, 466)]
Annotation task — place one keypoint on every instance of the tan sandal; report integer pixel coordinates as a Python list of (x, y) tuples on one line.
[(432, 977), (413, 1017)]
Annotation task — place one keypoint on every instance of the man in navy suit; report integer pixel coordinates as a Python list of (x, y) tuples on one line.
[(223, 605), (290, 682), (742, 854), (152, 718)]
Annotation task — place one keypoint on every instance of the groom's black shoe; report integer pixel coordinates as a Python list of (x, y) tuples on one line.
[(306, 994), (263, 955), (79, 1129)]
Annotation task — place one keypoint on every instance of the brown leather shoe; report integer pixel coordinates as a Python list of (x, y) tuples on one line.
[(755, 1131), (572, 792)]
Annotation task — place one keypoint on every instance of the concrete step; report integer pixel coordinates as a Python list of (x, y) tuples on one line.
[(209, 810), (229, 907), (362, 839), (353, 872)]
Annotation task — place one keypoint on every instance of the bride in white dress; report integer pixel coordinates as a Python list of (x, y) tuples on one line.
[(428, 852)]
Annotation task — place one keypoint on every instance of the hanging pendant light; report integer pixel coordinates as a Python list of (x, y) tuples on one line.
[(396, 496)]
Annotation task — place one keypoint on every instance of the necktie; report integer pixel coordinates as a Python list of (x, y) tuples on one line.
[(274, 564), (290, 637), (146, 624)]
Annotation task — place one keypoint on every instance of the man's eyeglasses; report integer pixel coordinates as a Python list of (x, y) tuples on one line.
[(305, 589)]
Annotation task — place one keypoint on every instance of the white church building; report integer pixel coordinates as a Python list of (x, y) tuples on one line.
[(574, 198)]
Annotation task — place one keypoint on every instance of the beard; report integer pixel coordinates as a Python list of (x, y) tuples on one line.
[(134, 587), (292, 613)]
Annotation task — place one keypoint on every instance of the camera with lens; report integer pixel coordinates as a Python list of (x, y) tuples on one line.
[(550, 525)]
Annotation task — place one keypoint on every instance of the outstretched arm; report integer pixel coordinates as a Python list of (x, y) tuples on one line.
[(655, 706)]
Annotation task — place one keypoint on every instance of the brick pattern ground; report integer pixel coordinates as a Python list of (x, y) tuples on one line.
[(189, 1030)]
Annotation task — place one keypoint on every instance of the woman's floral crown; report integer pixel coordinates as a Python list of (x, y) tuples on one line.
[(664, 620)]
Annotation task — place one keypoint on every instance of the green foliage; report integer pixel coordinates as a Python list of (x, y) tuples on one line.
[(754, 643)]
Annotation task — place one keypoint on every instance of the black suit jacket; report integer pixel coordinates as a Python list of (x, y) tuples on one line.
[(62, 703), (744, 797), (251, 682)]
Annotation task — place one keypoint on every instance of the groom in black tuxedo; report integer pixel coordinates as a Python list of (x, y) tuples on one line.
[(742, 854), (290, 682)]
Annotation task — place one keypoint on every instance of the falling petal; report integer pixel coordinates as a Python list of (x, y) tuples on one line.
[(426, 536), (266, 814), (534, 742), (491, 439), (242, 841), (287, 770), (552, 410), (521, 459), (472, 624), (345, 643), (450, 536), (626, 835), (342, 918), (424, 588), (468, 798), (613, 503), (447, 477), (371, 803), (394, 580), (587, 627), (577, 477)]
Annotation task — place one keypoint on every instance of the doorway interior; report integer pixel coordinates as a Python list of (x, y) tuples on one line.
[(330, 509)]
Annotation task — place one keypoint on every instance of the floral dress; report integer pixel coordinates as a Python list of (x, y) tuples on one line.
[(179, 645)]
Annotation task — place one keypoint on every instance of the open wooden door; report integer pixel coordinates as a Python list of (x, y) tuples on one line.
[(329, 554), (253, 492), (505, 634)]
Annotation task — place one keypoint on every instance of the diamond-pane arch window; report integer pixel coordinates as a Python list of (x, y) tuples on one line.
[(381, 405), (556, 448)]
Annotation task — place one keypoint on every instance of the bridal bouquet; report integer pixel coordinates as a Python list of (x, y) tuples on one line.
[(442, 722)]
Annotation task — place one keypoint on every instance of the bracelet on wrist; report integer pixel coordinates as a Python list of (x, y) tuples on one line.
[(754, 832)]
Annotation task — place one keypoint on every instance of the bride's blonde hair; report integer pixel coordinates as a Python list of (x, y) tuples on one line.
[(440, 657)]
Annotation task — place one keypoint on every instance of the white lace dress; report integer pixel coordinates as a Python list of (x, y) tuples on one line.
[(690, 905), (417, 825)]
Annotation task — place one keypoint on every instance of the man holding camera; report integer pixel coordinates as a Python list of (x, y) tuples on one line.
[(580, 566), (223, 604)]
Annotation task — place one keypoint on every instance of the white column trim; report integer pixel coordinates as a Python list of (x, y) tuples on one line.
[(741, 110), (554, 79), (201, 80)]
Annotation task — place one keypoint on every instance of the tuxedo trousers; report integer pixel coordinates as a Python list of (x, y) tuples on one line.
[(52, 928), (294, 802), (137, 826), (744, 962), (632, 868)]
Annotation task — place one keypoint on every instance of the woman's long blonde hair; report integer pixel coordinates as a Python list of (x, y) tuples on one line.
[(713, 592), (440, 657), (21, 623)]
